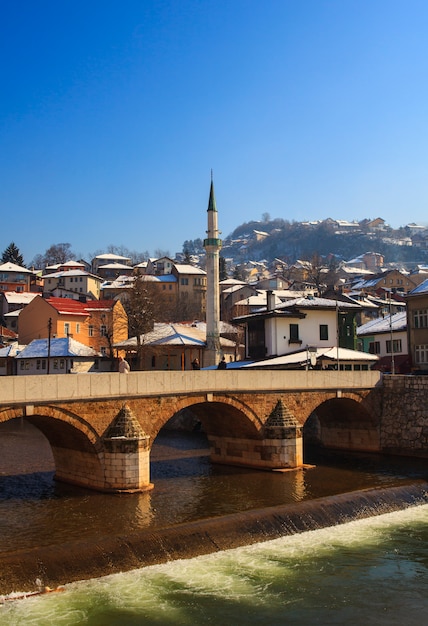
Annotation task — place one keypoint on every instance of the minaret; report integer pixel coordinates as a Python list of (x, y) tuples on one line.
[(212, 245)]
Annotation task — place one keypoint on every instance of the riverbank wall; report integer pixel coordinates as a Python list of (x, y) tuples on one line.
[(81, 560), (404, 418)]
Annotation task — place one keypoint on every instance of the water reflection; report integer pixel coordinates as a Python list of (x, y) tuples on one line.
[(37, 511)]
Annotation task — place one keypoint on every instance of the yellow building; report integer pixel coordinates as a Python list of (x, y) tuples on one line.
[(72, 283)]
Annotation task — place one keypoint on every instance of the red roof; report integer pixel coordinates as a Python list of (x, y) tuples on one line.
[(5, 332), (75, 307)]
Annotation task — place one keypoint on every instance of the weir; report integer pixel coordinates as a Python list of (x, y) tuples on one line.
[(79, 560)]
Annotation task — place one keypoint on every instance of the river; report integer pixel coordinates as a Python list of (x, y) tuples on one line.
[(369, 571)]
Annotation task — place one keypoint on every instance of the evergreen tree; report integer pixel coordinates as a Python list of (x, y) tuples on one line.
[(13, 255)]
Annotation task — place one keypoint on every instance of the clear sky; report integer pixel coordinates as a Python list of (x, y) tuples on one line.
[(114, 112)]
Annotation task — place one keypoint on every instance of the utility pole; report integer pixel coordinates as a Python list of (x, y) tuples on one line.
[(49, 343), (391, 336)]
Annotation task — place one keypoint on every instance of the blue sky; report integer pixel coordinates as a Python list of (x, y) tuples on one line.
[(113, 114)]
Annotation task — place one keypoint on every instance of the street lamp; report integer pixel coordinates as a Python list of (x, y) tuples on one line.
[(311, 356)]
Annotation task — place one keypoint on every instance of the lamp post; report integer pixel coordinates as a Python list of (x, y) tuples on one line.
[(311, 356)]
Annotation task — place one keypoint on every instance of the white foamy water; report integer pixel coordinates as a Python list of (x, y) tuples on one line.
[(372, 571)]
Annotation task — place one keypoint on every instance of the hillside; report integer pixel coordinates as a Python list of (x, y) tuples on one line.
[(298, 240)]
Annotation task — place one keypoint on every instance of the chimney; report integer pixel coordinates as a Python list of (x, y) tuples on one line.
[(270, 300)]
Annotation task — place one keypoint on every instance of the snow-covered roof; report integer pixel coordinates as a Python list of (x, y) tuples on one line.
[(111, 256), (396, 322), (302, 357), (173, 335), (11, 350), (314, 302), (70, 273), (115, 266), (59, 347), (15, 297), (12, 267), (422, 288), (183, 268)]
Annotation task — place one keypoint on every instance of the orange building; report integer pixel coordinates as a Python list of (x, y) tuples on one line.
[(97, 324)]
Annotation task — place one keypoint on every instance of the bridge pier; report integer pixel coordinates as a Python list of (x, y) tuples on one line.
[(281, 445), (126, 452)]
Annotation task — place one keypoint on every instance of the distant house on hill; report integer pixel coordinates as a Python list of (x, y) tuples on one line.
[(72, 283), (108, 258), (15, 278)]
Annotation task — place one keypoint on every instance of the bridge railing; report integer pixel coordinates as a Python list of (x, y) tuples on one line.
[(66, 387)]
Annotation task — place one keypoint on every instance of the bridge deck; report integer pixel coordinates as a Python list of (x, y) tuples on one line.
[(56, 388)]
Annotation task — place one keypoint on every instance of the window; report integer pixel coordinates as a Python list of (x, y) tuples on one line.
[(294, 334), (103, 350), (61, 364), (420, 318), (374, 347), (421, 354), (184, 281), (90, 331), (323, 332), (66, 328), (396, 346), (55, 364), (103, 330), (77, 327)]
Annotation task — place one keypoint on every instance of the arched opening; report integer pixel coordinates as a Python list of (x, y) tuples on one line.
[(194, 429), (340, 424), (27, 463)]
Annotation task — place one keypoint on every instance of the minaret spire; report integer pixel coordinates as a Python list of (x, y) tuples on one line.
[(212, 245)]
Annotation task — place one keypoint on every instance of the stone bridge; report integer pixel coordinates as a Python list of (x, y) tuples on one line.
[(101, 427)]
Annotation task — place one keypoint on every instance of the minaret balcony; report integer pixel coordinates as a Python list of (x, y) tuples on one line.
[(212, 242)]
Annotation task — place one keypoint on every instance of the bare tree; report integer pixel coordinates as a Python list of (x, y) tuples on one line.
[(143, 306)]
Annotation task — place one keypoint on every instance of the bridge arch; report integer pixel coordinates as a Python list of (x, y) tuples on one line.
[(220, 415), (75, 445), (342, 423)]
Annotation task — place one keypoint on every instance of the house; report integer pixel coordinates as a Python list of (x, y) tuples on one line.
[(417, 327), (104, 259), (72, 283), (97, 324), (276, 330), (61, 355), (64, 267), (191, 290), (110, 271), (15, 278), (187, 299), (392, 281), (12, 302), (173, 347), (332, 358), (387, 337), (7, 358)]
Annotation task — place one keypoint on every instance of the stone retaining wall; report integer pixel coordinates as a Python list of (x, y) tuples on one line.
[(404, 420)]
